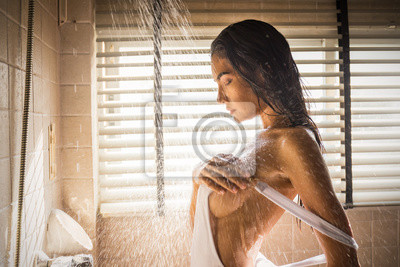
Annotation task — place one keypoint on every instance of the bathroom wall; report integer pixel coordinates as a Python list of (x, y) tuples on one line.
[(166, 241), (41, 194), (64, 94), (78, 115)]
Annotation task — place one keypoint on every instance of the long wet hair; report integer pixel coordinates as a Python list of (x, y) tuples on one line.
[(261, 55)]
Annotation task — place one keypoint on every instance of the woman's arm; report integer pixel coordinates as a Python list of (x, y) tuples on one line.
[(304, 165)]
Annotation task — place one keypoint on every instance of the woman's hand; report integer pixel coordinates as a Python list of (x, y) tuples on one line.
[(223, 172)]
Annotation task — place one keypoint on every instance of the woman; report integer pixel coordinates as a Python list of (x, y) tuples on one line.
[(256, 75)]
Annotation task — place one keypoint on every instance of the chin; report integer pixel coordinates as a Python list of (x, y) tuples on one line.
[(243, 118)]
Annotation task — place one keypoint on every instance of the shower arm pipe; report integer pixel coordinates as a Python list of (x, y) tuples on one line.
[(158, 122), (61, 21), (25, 121)]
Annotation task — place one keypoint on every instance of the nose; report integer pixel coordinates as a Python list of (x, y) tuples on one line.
[(221, 98)]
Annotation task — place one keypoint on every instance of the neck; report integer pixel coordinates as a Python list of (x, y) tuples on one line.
[(270, 119)]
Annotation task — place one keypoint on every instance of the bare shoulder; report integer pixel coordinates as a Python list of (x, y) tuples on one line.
[(287, 138), (287, 145)]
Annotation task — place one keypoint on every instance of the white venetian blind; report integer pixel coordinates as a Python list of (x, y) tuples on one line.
[(375, 92), (125, 94)]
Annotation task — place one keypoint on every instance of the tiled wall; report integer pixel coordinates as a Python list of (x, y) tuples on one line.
[(149, 241), (41, 194), (78, 111)]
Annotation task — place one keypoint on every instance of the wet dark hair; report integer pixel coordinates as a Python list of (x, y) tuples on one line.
[(261, 55)]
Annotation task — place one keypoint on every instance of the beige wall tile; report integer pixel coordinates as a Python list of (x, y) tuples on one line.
[(388, 213), (50, 65), (76, 163), (76, 37), (15, 175), (46, 54), (24, 12), (385, 256), (54, 70), (24, 37), (385, 233), (3, 37), (279, 239), (304, 254), (14, 213), (77, 196), (39, 132), (362, 231), (51, 6), (17, 138), (46, 170), (4, 230), (286, 218), (37, 23), (57, 194), (75, 100), (50, 35), (14, 10), (365, 256), (279, 258), (14, 163), (14, 43), (33, 172), (45, 127), (54, 98), (3, 86), (359, 214), (37, 56), (50, 193), (57, 121), (4, 134), (15, 122), (46, 96), (37, 94), (304, 239), (5, 183), (77, 131), (16, 89), (34, 206), (80, 10), (75, 69), (171, 237), (3, 6)]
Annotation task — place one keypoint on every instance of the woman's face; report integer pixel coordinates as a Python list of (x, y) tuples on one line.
[(233, 90)]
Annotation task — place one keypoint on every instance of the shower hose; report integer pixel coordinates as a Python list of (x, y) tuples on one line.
[(28, 85)]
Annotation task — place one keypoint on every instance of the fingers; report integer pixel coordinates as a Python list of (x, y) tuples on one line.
[(232, 173), (221, 181), (233, 162), (211, 184), (222, 159)]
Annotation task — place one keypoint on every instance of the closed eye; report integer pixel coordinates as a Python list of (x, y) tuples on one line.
[(229, 81)]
